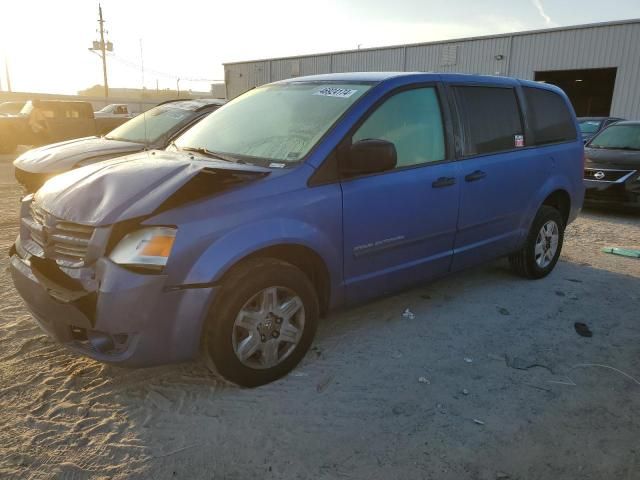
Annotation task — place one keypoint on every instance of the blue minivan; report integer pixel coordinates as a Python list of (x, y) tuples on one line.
[(293, 199)]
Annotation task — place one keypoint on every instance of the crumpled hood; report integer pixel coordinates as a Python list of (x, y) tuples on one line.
[(129, 187), (63, 156)]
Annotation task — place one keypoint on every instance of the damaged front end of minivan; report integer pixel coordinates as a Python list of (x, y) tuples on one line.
[(90, 261)]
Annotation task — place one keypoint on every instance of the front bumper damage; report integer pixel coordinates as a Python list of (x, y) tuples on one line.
[(100, 309)]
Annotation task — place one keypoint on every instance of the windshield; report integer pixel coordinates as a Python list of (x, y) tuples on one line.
[(589, 126), (623, 137), (150, 126), (279, 122), (11, 107)]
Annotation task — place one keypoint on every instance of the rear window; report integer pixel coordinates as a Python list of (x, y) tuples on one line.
[(549, 116), (490, 118), (589, 126)]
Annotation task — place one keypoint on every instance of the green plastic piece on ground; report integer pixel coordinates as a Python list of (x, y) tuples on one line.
[(625, 252)]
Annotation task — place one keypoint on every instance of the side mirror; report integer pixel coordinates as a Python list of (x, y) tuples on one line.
[(368, 156)]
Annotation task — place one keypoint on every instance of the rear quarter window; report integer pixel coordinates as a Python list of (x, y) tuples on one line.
[(490, 119), (549, 116)]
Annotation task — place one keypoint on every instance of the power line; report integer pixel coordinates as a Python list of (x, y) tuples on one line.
[(135, 65)]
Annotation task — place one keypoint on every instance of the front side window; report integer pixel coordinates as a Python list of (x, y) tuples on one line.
[(490, 119), (279, 122), (412, 121), (618, 137), (549, 116), (71, 113)]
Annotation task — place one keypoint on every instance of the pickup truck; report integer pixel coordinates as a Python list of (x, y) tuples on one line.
[(64, 120), (115, 110)]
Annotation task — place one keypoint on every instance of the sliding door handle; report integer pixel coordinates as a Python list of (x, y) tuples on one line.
[(444, 182), (477, 175)]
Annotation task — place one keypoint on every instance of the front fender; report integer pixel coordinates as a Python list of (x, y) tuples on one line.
[(245, 240)]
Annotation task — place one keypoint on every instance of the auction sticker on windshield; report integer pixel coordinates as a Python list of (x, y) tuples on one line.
[(335, 92)]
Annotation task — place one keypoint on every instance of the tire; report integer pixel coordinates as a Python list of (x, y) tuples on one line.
[(244, 290), (529, 263)]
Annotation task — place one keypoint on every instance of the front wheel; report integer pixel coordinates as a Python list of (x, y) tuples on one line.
[(262, 323), (542, 248)]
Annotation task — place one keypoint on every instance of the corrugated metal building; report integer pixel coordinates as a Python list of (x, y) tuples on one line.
[(598, 65)]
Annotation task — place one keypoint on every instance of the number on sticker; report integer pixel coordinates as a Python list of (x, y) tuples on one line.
[(335, 92)]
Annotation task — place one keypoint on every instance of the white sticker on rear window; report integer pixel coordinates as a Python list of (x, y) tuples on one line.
[(335, 92)]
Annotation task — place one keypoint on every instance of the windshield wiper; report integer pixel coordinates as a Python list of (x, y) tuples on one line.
[(620, 148), (209, 153)]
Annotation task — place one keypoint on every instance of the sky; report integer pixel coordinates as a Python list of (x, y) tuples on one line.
[(45, 43)]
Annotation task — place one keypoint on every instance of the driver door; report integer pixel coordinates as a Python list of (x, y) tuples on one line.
[(399, 226)]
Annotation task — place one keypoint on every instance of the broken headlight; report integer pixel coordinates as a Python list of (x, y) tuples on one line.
[(146, 248)]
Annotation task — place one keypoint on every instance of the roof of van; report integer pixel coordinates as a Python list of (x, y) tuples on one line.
[(377, 77)]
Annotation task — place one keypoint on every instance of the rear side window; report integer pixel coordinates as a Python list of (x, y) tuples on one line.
[(549, 116), (490, 118), (412, 121)]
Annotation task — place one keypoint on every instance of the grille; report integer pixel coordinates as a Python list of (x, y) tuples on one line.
[(31, 181), (58, 239), (605, 175)]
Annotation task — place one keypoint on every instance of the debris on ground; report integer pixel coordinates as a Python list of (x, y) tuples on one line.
[(396, 355), (502, 476), (324, 383), (479, 422), (623, 252), (408, 314), (468, 359), (503, 311), (524, 364), (424, 380), (465, 391), (519, 363), (560, 294), (582, 329)]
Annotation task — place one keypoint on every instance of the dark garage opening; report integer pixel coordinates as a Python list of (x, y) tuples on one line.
[(590, 91)]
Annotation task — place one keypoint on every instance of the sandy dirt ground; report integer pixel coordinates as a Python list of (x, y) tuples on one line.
[(488, 381)]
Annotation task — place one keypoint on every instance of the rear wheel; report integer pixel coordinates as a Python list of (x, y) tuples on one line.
[(262, 323), (542, 248)]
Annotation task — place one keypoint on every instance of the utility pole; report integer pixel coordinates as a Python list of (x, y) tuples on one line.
[(104, 55), (102, 47), (6, 69)]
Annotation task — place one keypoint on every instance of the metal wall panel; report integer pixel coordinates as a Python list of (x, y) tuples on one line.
[(519, 55), (598, 47), (383, 60), (241, 77), (475, 56)]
